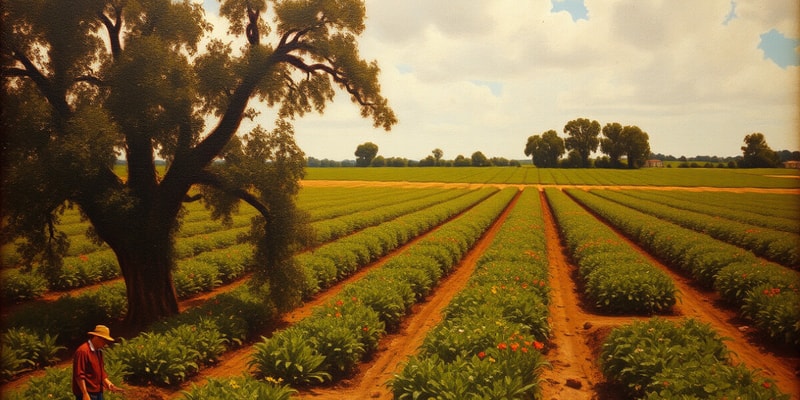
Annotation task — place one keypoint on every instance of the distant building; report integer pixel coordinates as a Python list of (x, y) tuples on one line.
[(654, 164), (791, 164)]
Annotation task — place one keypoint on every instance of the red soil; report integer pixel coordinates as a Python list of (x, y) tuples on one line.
[(572, 350)]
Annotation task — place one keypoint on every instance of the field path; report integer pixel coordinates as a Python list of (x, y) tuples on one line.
[(393, 349), (576, 331), (234, 363), (776, 362)]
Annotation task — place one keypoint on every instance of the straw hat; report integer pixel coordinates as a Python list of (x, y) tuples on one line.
[(103, 332)]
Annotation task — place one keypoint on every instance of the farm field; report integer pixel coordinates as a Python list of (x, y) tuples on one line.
[(558, 304)]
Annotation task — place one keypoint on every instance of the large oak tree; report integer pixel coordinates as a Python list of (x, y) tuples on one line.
[(85, 81), (545, 150), (756, 153), (582, 139)]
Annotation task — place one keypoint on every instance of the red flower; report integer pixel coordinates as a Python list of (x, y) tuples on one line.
[(538, 345), (339, 302), (481, 355), (766, 385), (502, 346), (514, 346)]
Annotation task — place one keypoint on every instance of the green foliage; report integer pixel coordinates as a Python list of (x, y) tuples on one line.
[(69, 316), (170, 357), (56, 384), (192, 276), (775, 310), (239, 387), (19, 286), (778, 246), (617, 278), (486, 346), (658, 357), (290, 357), (78, 87), (733, 272)]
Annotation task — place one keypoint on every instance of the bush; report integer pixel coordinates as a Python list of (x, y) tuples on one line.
[(20, 286), (775, 311), (243, 387), (660, 358), (289, 356)]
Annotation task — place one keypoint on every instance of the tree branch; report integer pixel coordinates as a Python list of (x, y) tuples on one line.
[(59, 103), (209, 179), (113, 31), (336, 75), (92, 79)]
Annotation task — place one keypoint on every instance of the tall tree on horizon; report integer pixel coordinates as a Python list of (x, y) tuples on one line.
[(757, 153), (582, 138), (85, 81)]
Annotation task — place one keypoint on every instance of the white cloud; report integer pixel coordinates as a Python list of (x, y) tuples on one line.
[(696, 85)]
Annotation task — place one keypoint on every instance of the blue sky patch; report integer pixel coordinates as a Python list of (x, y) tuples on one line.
[(575, 8), (404, 68), (731, 15), (495, 87), (781, 50)]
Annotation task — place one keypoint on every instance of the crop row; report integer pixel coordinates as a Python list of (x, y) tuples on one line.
[(659, 359), (616, 278), (171, 350), (105, 303), (331, 262), (764, 204), (329, 208), (774, 245), (561, 176), (358, 218), (329, 344), (766, 293), (98, 266), (487, 345), (741, 210)]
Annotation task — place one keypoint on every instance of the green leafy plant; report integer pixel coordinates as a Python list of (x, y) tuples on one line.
[(657, 357), (290, 357), (243, 387)]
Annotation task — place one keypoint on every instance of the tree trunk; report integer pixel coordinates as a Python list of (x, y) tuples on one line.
[(144, 245), (149, 286)]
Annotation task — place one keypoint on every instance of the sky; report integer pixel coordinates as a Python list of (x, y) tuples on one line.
[(475, 75)]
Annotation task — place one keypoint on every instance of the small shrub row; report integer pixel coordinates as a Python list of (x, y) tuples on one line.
[(211, 269), (737, 275), (744, 208), (56, 383), (487, 345), (361, 216), (353, 202), (22, 350), (331, 262), (775, 245), (194, 245), (659, 359), (616, 278), (329, 344), (242, 387), (174, 349)]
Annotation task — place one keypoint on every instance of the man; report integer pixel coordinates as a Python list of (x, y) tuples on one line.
[(88, 370)]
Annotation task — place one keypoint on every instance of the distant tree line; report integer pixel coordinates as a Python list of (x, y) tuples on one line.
[(622, 147), (367, 156), (583, 139)]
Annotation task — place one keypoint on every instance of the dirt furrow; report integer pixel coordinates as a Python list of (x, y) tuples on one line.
[(574, 375), (234, 363), (776, 362), (370, 381)]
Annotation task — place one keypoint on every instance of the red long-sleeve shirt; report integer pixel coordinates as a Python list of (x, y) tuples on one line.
[(87, 364)]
